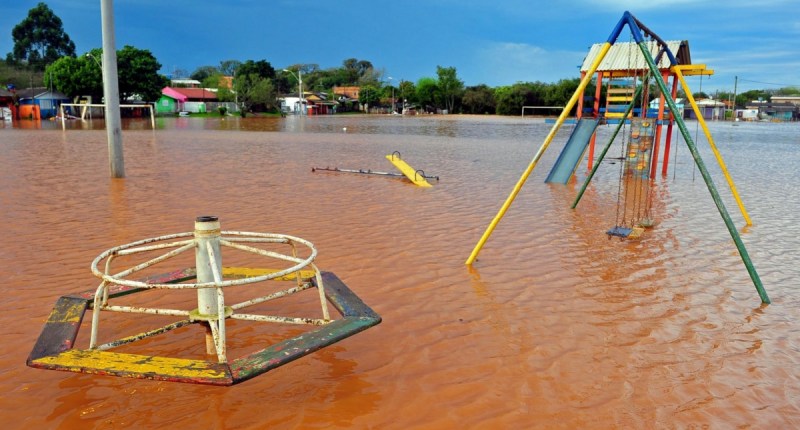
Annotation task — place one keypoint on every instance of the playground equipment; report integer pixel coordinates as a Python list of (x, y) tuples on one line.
[(416, 176), (665, 57), (55, 348)]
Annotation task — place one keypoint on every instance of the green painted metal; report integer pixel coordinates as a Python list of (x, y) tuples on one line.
[(706, 176), (606, 147)]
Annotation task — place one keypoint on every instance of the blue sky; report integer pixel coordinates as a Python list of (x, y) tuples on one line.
[(496, 42)]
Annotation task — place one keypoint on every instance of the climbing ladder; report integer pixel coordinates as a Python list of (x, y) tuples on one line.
[(619, 94)]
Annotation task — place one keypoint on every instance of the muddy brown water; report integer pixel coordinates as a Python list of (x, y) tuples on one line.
[(555, 326)]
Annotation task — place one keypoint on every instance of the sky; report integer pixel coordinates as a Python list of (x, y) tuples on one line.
[(492, 42)]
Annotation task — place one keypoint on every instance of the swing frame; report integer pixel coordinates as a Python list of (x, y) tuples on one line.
[(637, 29)]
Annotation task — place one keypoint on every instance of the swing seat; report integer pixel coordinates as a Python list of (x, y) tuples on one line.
[(619, 231), (636, 233), (647, 223)]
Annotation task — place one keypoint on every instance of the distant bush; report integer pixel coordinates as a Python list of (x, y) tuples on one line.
[(222, 110)]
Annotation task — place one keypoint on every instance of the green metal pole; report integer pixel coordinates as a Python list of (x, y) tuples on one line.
[(606, 148), (706, 177)]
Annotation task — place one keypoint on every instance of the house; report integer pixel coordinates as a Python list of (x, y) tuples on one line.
[(170, 101), (653, 108), (781, 109), (710, 109), (39, 102), (311, 104), (293, 104), (347, 97), (318, 104), (194, 100), (746, 114)]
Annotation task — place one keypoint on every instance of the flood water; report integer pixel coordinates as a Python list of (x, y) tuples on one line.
[(555, 325)]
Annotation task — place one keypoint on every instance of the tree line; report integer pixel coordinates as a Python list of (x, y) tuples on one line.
[(43, 54)]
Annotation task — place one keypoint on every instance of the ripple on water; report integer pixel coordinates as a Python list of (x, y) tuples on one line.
[(556, 325)]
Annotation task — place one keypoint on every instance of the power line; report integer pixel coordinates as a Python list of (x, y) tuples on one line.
[(768, 83)]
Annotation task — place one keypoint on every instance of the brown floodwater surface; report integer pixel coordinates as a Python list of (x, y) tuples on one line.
[(555, 325)]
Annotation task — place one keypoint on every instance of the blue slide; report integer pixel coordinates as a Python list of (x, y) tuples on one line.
[(572, 154)]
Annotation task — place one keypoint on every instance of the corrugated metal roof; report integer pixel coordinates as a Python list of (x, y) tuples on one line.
[(627, 56)]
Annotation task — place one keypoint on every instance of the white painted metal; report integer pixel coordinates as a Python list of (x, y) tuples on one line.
[(207, 240)]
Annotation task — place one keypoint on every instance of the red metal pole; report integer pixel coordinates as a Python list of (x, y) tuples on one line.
[(665, 164)]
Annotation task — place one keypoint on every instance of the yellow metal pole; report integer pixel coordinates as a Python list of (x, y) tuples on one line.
[(581, 87), (678, 70)]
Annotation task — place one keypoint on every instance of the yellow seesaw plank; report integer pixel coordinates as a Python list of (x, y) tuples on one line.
[(409, 171)]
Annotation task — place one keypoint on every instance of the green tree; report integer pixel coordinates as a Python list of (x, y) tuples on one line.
[(228, 67), (511, 99), (203, 72), (354, 70), (746, 97), (479, 99), (138, 74), (559, 93), (137, 71), (788, 91), (450, 87), (212, 81), (426, 92), (260, 68), (369, 95), (408, 92), (80, 76), (40, 39), (254, 92)]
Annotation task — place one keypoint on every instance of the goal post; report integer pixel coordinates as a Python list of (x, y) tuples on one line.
[(540, 108), (84, 108)]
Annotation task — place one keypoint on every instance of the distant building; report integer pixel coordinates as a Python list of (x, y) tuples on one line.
[(40, 102), (185, 83), (746, 114), (710, 109), (653, 110), (192, 100), (310, 104), (795, 100), (779, 110)]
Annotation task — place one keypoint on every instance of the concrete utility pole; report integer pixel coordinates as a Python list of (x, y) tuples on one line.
[(111, 91)]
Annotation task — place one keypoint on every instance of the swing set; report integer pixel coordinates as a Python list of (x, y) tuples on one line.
[(650, 62)]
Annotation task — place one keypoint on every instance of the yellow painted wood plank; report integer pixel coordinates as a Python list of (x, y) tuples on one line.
[(619, 99), (249, 272), (636, 233), (67, 310), (94, 361), (409, 171)]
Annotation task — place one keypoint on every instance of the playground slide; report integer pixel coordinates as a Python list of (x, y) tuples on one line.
[(572, 154)]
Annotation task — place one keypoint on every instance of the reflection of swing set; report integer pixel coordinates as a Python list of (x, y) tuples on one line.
[(640, 144)]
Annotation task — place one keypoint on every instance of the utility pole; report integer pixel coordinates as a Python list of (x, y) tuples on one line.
[(733, 105), (111, 91)]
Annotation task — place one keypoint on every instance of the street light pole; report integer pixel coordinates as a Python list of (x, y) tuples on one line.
[(390, 83), (299, 88)]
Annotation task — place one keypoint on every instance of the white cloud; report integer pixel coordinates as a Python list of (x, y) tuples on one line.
[(507, 63)]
